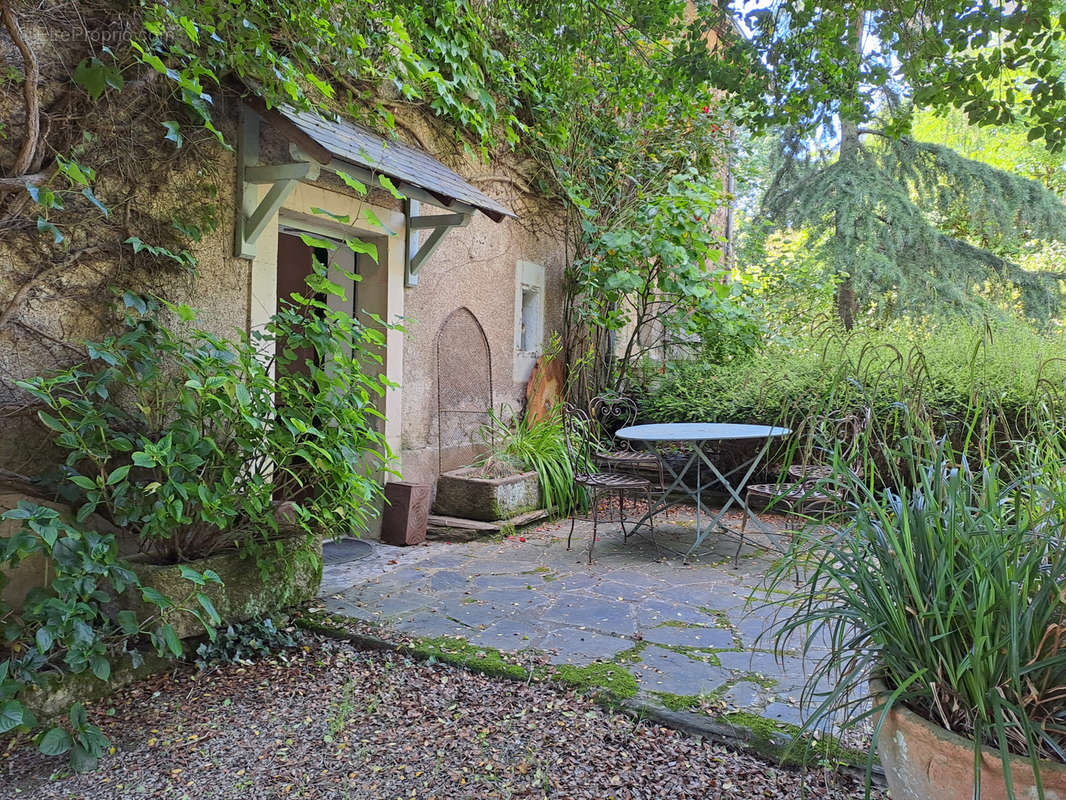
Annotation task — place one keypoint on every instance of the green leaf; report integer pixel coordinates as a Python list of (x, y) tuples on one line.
[(142, 459), (127, 620), (243, 397), (189, 574), (387, 183), (352, 182), (73, 171), (359, 246), (209, 607), (81, 760), (118, 474), (44, 226), (342, 218), (173, 132), (55, 742), (372, 218), (88, 194), (314, 241), (12, 714), (212, 577), (172, 640), (52, 422), (155, 597), (190, 29), (82, 482), (44, 640), (101, 667), (96, 77)]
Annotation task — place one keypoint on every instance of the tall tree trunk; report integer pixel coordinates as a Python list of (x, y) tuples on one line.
[(846, 299)]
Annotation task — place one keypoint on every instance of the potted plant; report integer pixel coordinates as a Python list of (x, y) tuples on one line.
[(525, 466), (937, 611)]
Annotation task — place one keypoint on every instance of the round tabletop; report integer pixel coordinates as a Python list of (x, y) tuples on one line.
[(698, 432)]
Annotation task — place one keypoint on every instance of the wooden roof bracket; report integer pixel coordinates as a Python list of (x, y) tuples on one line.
[(416, 254), (253, 214)]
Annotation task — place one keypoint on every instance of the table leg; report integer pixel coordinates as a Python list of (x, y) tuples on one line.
[(734, 496)]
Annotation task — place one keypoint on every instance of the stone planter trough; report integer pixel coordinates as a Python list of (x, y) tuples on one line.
[(284, 576), (461, 493)]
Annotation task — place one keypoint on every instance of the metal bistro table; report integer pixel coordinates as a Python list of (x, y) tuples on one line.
[(698, 435)]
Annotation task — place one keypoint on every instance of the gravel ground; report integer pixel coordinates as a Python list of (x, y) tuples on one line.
[(331, 721)]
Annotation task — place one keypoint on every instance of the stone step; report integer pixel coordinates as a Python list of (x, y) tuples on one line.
[(457, 529)]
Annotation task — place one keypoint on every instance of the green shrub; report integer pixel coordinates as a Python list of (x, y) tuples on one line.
[(244, 643), (187, 439), (69, 626), (1006, 371)]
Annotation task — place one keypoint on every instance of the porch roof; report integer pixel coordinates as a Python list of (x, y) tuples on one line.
[(403, 164)]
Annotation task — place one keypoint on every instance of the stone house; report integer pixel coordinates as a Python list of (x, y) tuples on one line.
[(470, 257), (471, 266), (470, 262)]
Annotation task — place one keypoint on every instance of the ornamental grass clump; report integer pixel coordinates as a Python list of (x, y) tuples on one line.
[(949, 586), (538, 445)]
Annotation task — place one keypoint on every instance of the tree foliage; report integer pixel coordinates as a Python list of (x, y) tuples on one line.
[(902, 224), (799, 67), (909, 224)]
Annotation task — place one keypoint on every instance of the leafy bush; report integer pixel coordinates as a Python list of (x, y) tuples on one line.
[(186, 439), (243, 643), (1006, 370), (69, 627), (948, 588)]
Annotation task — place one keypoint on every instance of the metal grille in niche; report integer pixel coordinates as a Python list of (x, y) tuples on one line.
[(464, 387)]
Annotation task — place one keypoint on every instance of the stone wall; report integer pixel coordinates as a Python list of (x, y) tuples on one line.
[(477, 268)]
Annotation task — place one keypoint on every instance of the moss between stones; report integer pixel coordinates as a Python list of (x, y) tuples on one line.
[(600, 677), (632, 655), (679, 702), (463, 654), (676, 623), (704, 654), (791, 746)]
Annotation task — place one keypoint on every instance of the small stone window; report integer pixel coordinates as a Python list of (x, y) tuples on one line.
[(528, 318), (529, 308)]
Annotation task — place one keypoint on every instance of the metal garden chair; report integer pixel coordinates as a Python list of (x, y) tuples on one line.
[(582, 443), (809, 492)]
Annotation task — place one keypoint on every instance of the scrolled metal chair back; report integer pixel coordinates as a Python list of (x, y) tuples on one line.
[(609, 413)]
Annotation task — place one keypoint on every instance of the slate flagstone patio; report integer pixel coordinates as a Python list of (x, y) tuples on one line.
[(681, 629)]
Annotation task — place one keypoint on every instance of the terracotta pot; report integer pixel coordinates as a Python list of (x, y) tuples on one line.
[(923, 761)]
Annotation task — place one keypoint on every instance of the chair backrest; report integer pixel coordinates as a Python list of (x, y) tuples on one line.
[(609, 413)]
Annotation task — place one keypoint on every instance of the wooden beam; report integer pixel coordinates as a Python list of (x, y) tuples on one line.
[(431, 244), (421, 223), (247, 196), (269, 206), (290, 130), (281, 172)]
